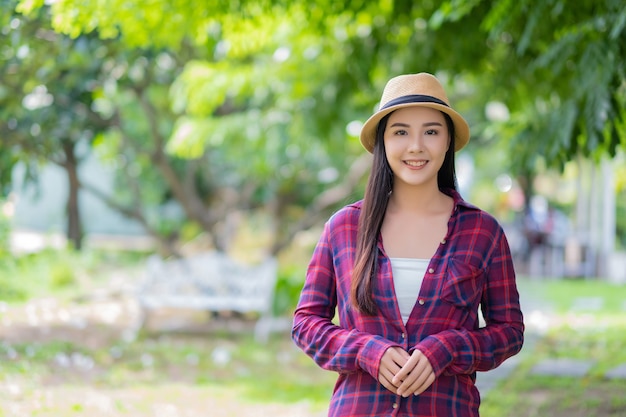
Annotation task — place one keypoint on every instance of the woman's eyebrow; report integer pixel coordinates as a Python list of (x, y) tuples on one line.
[(400, 124)]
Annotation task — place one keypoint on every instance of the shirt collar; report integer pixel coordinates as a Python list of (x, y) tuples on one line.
[(458, 200)]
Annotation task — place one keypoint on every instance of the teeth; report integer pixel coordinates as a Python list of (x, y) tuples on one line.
[(415, 163)]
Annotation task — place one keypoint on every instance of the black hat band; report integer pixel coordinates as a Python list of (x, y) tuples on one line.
[(414, 98)]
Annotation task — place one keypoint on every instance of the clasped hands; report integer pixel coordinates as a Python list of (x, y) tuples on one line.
[(405, 374)]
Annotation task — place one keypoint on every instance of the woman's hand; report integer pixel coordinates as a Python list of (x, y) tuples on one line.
[(393, 360), (415, 376)]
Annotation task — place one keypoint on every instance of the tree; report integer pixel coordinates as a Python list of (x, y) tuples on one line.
[(55, 109), (270, 88), (242, 189), (46, 102), (570, 89)]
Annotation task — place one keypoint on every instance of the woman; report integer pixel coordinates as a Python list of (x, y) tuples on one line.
[(406, 270)]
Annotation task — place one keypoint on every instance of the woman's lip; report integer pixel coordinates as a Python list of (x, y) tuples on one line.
[(416, 164)]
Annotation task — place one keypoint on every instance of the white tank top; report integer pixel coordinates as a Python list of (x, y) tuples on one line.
[(408, 274)]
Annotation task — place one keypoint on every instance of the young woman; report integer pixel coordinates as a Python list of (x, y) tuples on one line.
[(406, 270)]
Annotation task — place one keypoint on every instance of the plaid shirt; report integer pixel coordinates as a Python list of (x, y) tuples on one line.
[(472, 266)]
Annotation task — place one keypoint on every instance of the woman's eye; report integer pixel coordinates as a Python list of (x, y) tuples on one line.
[(400, 132), (431, 132)]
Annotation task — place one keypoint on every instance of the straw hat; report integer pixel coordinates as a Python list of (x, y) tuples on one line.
[(423, 90)]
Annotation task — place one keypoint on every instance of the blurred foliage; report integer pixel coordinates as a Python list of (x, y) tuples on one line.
[(620, 213), (62, 275), (620, 219), (65, 273), (5, 233), (572, 99), (48, 89), (288, 288), (561, 295), (559, 69), (10, 288), (225, 108)]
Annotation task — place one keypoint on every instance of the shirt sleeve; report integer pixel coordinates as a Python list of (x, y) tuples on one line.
[(463, 351), (332, 346)]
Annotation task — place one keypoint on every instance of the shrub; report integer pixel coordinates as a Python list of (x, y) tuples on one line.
[(62, 275), (288, 287)]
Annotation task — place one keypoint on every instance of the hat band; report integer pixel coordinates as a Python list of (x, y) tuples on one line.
[(414, 98)]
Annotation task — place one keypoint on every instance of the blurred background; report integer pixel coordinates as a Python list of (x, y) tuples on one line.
[(144, 144)]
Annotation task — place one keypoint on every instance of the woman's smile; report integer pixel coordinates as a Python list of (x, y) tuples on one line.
[(416, 142), (416, 164)]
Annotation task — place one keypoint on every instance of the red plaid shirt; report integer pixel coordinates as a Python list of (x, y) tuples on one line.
[(471, 267)]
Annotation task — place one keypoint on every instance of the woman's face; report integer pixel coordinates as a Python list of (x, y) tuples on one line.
[(416, 141)]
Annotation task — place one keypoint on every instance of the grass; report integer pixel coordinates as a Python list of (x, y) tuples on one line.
[(220, 367), (200, 372), (583, 329), (188, 359), (62, 273), (562, 295), (50, 374)]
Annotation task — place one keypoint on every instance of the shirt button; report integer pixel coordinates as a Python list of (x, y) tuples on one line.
[(431, 270), (395, 405), (421, 301), (443, 242), (403, 335)]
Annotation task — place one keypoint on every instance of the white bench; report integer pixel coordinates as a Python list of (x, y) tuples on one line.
[(212, 282)]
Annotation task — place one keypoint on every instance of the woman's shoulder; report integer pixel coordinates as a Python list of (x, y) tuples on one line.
[(348, 214), (343, 223), (480, 220), (473, 216)]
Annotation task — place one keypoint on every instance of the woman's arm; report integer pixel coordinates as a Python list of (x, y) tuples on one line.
[(331, 346), (463, 351)]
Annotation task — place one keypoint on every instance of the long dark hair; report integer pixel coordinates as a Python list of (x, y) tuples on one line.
[(374, 206)]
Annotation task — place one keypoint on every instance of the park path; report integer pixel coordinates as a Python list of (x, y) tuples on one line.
[(539, 318)]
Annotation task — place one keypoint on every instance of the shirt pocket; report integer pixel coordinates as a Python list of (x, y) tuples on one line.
[(463, 284)]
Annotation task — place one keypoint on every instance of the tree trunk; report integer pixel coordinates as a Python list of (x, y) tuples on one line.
[(74, 227), (190, 201)]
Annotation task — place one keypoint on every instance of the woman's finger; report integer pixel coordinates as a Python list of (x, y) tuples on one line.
[(387, 384), (392, 361), (404, 373), (423, 380), (429, 381), (420, 377)]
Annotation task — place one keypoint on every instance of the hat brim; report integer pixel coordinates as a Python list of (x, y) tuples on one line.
[(461, 128)]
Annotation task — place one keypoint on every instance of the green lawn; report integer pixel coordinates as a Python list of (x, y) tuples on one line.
[(562, 294), (223, 368), (588, 322), (53, 375)]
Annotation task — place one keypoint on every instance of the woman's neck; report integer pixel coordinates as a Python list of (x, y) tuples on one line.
[(415, 222), (427, 199)]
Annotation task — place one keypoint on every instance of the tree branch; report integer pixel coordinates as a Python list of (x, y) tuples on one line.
[(329, 198)]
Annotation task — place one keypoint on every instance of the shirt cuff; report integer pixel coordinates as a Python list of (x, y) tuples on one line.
[(438, 353), (371, 354)]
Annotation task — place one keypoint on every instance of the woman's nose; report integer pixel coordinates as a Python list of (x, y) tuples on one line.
[(415, 143)]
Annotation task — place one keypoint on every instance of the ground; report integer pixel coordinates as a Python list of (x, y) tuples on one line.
[(77, 384), (71, 386)]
